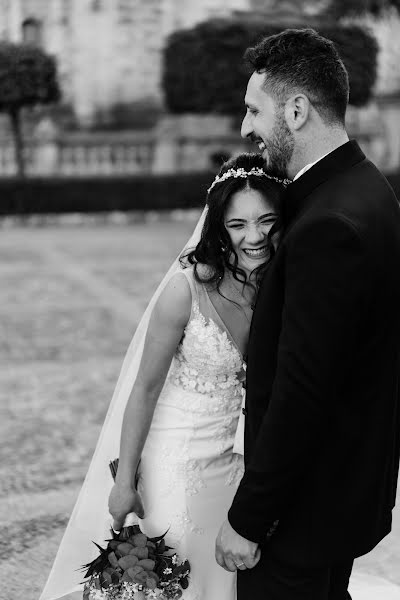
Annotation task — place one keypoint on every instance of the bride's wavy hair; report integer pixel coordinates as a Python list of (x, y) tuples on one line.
[(215, 248)]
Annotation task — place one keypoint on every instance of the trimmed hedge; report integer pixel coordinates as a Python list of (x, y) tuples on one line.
[(204, 69), (51, 196), (90, 195)]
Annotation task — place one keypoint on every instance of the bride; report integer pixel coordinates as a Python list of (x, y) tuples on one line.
[(181, 433)]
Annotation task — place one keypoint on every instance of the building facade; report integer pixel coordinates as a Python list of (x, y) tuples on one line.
[(107, 51)]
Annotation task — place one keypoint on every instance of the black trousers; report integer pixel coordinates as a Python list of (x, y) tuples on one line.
[(274, 580)]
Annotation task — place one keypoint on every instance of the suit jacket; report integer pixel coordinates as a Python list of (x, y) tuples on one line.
[(323, 415)]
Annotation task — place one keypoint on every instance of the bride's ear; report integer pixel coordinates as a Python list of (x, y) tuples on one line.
[(297, 111)]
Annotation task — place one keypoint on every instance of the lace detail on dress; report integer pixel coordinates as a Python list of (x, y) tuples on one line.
[(193, 479), (182, 524), (237, 470), (171, 466), (226, 432), (177, 468), (207, 362)]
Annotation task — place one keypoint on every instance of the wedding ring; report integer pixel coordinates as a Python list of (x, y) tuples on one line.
[(240, 565)]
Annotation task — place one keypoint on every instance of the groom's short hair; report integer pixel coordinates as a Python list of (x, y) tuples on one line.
[(301, 60)]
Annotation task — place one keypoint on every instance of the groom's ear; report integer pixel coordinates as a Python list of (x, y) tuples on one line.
[(297, 111)]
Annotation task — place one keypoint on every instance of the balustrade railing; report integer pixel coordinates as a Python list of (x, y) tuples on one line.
[(57, 159)]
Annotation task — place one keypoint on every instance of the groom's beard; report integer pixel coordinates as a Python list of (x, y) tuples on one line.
[(279, 148)]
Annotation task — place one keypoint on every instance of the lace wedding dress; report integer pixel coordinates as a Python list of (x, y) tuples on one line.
[(188, 471)]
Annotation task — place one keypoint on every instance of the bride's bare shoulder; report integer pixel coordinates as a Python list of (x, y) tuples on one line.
[(175, 300)]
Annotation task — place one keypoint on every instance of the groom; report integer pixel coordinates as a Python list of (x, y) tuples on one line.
[(322, 409)]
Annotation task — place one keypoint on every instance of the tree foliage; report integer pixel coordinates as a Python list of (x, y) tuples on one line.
[(204, 69), (28, 76)]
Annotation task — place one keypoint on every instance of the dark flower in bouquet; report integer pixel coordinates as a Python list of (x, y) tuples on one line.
[(135, 567)]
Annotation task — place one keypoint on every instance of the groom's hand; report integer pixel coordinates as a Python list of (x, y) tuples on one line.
[(233, 552)]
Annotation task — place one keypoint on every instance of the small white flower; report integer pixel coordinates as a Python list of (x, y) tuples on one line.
[(167, 571), (97, 595)]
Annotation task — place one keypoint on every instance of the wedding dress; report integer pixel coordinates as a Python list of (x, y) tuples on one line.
[(188, 471)]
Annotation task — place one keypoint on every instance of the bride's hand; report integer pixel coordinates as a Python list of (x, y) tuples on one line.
[(122, 501)]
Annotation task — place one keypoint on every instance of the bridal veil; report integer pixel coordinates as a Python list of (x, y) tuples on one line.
[(90, 520)]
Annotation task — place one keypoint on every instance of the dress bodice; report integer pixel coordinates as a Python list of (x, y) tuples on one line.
[(207, 360)]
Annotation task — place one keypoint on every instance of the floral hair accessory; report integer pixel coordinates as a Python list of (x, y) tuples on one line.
[(257, 171)]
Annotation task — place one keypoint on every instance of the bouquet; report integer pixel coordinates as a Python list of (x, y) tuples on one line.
[(135, 567)]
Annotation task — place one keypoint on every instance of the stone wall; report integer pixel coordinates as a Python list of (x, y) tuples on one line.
[(108, 51)]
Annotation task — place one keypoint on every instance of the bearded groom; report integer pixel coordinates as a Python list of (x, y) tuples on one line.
[(322, 433)]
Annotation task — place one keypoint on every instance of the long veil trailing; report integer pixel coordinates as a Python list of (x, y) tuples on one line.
[(90, 520)]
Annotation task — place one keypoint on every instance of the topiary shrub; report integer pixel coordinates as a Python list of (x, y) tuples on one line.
[(386, 29), (28, 77), (204, 69)]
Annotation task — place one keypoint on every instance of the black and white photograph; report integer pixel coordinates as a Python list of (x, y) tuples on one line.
[(200, 299)]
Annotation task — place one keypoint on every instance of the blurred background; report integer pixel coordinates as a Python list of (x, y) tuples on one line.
[(145, 92), (114, 118)]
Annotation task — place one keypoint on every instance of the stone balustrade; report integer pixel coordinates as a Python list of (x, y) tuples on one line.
[(54, 159), (184, 144)]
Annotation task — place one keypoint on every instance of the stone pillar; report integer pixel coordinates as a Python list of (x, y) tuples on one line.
[(389, 108), (375, 126), (46, 153), (166, 149), (182, 142)]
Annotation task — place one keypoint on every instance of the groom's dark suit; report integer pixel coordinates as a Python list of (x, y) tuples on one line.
[(323, 414)]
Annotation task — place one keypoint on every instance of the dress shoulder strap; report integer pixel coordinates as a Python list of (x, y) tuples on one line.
[(200, 295), (194, 286)]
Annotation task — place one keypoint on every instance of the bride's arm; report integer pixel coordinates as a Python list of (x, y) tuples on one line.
[(166, 326)]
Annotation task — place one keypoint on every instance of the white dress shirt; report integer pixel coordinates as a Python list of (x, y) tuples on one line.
[(304, 169)]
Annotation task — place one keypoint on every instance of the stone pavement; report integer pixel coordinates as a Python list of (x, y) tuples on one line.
[(370, 587), (69, 302)]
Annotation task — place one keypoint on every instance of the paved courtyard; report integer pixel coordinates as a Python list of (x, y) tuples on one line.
[(70, 299)]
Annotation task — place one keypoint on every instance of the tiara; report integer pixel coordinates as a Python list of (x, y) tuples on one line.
[(257, 171)]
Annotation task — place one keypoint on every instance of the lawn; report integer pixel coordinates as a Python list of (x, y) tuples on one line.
[(70, 300)]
